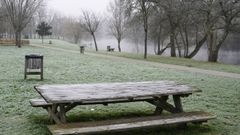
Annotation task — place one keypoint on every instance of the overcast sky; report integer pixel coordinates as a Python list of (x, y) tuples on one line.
[(74, 7)]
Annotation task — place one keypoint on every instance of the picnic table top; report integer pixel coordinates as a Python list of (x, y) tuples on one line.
[(109, 91)]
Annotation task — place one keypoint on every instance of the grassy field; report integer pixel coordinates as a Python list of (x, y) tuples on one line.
[(220, 96), (153, 58)]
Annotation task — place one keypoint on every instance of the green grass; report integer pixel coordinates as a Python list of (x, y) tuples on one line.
[(180, 61), (220, 96), (154, 58)]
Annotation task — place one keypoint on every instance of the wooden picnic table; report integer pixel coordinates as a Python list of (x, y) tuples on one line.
[(60, 99), (66, 97)]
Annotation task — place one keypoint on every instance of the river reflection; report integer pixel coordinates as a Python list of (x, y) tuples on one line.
[(229, 54)]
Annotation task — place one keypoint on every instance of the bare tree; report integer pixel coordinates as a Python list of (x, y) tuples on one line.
[(159, 30), (2, 21), (142, 9), (118, 21), (173, 12), (221, 18), (190, 34), (135, 32), (57, 21), (90, 23), (1, 13), (72, 29), (20, 13)]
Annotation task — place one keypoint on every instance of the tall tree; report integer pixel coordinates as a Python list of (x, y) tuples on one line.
[(20, 12), (222, 17), (135, 32), (142, 9), (159, 30), (43, 29), (173, 12), (2, 21), (72, 29), (190, 34), (117, 21), (91, 22)]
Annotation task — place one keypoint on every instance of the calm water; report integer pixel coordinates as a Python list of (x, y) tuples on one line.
[(229, 54)]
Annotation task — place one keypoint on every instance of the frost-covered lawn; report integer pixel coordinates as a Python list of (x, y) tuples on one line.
[(220, 96), (180, 61), (153, 58)]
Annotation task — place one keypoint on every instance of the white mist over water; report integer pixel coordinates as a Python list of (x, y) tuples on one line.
[(225, 56)]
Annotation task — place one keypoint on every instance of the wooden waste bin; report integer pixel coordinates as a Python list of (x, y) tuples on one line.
[(33, 65), (82, 49)]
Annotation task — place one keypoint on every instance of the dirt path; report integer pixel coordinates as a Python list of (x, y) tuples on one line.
[(160, 65)]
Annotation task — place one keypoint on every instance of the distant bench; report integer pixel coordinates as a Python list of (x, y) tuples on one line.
[(109, 49), (60, 99)]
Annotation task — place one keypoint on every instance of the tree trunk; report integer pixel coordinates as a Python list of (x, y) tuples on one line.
[(213, 55), (159, 46), (119, 46), (95, 42), (197, 48), (76, 39), (172, 42), (145, 44), (178, 47), (18, 39), (212, 49), (137, 47), (42, 39), (187, 45), (163, 50)]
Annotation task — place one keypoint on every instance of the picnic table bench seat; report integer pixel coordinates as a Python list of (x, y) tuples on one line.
[(129, 124), (39, 103)]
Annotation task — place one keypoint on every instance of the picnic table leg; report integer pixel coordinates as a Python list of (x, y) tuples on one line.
[(179, 108), (162, 104), (53, 114), (159, 109), (178, 103), (62, 113)]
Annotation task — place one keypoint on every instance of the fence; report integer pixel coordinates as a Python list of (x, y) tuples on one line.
[(13, 42)]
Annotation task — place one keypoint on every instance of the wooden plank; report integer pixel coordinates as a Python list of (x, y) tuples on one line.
[(39, 103), (127, 124), (111, 91)]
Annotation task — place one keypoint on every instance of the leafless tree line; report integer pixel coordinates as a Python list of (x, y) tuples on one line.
[(185, 26), (19, 13), (182, 26)]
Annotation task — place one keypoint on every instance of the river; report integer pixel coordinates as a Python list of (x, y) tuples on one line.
[(229, 53)]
